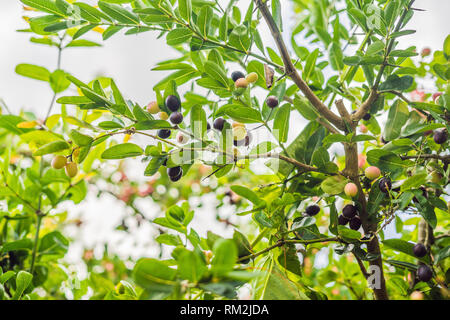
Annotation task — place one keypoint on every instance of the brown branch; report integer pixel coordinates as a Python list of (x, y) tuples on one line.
[(445, 158), (365, 106), (291, 71)]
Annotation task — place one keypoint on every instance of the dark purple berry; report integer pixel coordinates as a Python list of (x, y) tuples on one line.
[(355, 223), (176, 178), (174, 171), (424, 273), (173, 103), (163, 133), (237, 75), (208, 126), (272, 102), (219, 123), (367, 117), (440, 136), (342, 220), (244, 142), (419, 250), (349, 211), (176, 117), (383, 140), (385, 185), (312, 210)]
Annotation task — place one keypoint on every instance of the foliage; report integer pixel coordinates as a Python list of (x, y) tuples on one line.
[(333, 68)]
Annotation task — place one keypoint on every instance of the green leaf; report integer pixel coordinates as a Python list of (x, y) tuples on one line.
[(121, 151), (225, 255), (414, 181), (79, 138), (334, 184), (118, 13), (53, 244), (204, 20), (48, 6), (191, 266), (387, 161), (216, 72), (198, 121), (154, 275), (247, 194), (310, 64), (23, 280), (178, 36), (276, 14), (152, 124), (442, 254), (82, 43), (336, 56), (394, 82), (52, 147), (349, 234), (33, 72), (185, 8), (58, 81), (243, 114), (397, 117), (281, 123)]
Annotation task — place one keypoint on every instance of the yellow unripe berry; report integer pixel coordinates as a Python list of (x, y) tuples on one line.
[(71, 169), (163, 115), (241, 83), (252, 77), (239, 133), (351, 189), (153, 107), (59, 162)]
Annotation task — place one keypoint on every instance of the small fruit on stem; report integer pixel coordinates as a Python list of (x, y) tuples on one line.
[(176, 178), (416, 295), (252, 77), (372, 172), (237, 124), (385, 185), (367, 117), (59, 162), (163, 133), (174, 171), (153, 107), (349, 211), (176, 117), (182, 138), (208, 126), (436, 96), (363, 128), (241, 83), (272, 102), (351, 189), (163, 115), (419, 250), (424, 273), (312, 210), (342, 220), (237, 75), (425, 52), (219, 123), (71, 169), (440, 136), (239, 133), (173, 103), (355, 223)]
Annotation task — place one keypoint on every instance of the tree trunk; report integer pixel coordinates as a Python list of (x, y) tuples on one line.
[(368, 224)]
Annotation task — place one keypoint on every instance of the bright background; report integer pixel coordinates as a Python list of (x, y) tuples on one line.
[(129, 59)]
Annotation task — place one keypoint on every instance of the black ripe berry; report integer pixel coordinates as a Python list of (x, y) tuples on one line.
[(355, 223), (272, 102), (385, 185), (424, 273), (174, 171), (383, 140), (219, 123), (440, 136), (208, 126), (349, 211), (165, 162), (176, 117), (342, 220), (367, 117), (173, 103), (163, 133), (419, 250), (176, 178), (237, 75), (312, 210)]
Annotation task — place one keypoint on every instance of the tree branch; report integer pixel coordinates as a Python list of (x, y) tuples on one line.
[(291, 71)]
